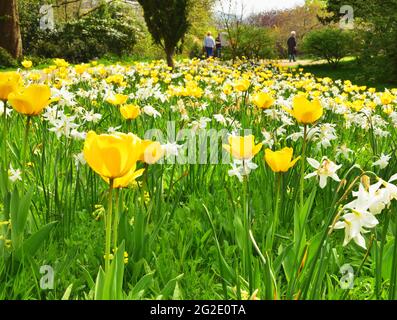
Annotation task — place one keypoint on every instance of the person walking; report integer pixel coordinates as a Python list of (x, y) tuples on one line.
[(218, 42), (292, 47), (209, 45)]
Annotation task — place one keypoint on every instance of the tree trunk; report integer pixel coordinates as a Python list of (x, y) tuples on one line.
[(170, 57), (10, 31)]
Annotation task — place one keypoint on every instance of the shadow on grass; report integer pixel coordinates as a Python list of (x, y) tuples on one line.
[(347, 70)]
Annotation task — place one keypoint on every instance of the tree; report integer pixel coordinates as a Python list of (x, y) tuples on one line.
[(167, 22), (9, 28), (232, 20), (376, 22)]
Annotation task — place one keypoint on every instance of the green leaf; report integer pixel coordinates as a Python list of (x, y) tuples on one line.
[(141, 286), (67, 293), (33, 243)]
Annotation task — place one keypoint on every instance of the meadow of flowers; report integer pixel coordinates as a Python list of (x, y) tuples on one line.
[(215, 180)]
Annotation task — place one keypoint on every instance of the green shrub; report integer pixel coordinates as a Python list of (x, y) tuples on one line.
[(6, 60), (329, 43), (105, 31), (252, 42)]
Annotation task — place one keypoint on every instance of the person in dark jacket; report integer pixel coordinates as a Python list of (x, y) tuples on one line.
[(218, 43), (292, 47)]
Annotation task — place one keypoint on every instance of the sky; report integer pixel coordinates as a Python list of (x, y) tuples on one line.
[(255, 6)]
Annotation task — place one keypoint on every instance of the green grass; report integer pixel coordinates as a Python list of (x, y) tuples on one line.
[(347, 70)]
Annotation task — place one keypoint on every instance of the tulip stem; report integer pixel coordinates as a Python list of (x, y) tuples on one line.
[(246, 220), (25, 145), (277, 207), (116, 219), (303, 164), (5, 131), (108, 225)]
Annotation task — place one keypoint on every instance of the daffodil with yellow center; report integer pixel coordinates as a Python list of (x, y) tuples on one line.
[(305, 111), (30, 100), (280, 161), (263, 100), (242, 148)]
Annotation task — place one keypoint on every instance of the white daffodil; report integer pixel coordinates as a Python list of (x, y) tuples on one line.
[(241, 168), (14, 174), (171, 149), (79, 159), (344, 151), (326, 169), (373, 199), (354, 224), (150, 111), (383, 161)]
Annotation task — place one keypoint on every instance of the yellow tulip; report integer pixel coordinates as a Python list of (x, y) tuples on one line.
[(111, 155), (81, 68), (128, 179), (263, 100), (242, 85), (280, 161), (152, 151), (30, 100), (386, 98), (117, 99), (9, 82), (27, 64), (130, 111), (306, 112), (242, 148)]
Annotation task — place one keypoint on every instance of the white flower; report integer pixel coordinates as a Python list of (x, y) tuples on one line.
[(171, 149), (344, 151), (373, 199), (8, 110), (79, 159), (383, 161), (113, 129), (220, 118), (326, 169), (14, 174), (78, 135), (268, 136), (63, 125), (90, 116), (354, 223), (150, 111), (241, 168)]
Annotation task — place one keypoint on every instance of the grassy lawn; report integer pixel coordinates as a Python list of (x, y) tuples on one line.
[(347, 70)]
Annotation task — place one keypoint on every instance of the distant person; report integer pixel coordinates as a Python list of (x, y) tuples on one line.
[(218, 42), (292, 47), (209, 45)]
